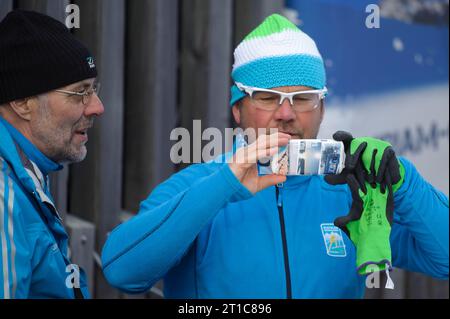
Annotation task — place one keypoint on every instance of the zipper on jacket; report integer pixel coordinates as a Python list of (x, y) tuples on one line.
[(284, 241)]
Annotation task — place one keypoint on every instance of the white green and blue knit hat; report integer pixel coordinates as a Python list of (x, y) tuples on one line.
[(277, 53)]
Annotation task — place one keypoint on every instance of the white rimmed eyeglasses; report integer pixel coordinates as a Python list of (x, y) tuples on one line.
[(270, 100)]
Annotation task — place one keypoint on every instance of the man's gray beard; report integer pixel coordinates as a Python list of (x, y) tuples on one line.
[(67, 158), (50, 140)]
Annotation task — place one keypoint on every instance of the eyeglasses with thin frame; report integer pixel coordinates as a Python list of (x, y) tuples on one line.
[(270, 100), (85, 95)]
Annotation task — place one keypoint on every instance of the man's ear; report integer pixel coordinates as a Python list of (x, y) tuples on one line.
[(237, 113), (23, 107)]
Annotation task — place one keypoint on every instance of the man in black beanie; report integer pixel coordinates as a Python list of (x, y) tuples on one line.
[(48, 101)]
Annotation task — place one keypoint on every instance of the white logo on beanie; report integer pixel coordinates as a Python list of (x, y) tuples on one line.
[(90, 61)]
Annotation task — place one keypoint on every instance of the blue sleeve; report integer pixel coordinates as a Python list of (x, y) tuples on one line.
[(15, 264), (141, 251), (420, 237)]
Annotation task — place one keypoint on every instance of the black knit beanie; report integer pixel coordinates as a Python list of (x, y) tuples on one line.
[(38, 54)]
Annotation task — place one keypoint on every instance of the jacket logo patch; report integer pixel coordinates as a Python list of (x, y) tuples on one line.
[(334, 242)]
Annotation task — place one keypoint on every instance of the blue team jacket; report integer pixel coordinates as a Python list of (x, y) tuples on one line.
[(33, 241), (209, 237)]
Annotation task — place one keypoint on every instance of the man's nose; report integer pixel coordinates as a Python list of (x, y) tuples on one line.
[(285, 111), (94, 107)]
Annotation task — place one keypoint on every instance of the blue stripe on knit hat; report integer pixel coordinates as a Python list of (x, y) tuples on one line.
[(292, 70)]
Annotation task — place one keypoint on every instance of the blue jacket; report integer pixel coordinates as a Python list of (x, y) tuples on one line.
[(209, 237), (33, 241)]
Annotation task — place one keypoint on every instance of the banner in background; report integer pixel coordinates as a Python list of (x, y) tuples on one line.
[(389, 82)]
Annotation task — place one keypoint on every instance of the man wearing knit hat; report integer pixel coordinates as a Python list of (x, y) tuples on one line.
[(218, 230), (48, 102)]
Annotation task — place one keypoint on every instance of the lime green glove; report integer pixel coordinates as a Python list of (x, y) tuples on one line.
[(377, 157), (373, 174), (368, 226), (380, 162)]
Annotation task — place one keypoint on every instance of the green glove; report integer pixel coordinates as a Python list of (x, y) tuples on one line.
[(373, 174), (380, 162), (368, 225), (377, 157)]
